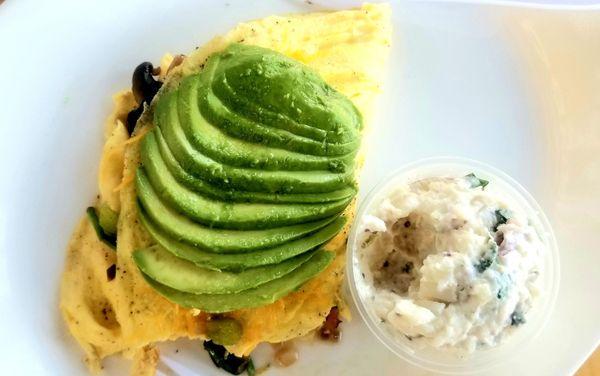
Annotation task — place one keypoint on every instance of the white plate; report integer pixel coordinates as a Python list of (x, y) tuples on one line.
[(514, 87)]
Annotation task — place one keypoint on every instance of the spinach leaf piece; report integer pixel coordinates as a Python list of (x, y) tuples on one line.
[(476, 182), (517, 318), (226, 361), (109, 240), (487, 258), (502, 216)]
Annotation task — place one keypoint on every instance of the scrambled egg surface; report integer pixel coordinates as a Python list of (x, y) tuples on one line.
[(124, 315)]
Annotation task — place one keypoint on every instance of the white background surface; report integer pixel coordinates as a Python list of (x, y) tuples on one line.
[(479, 81)]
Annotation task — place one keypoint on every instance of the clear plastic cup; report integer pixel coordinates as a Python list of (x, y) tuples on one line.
[(440, 360)]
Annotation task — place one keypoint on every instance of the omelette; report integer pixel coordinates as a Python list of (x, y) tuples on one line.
[(127, 289)]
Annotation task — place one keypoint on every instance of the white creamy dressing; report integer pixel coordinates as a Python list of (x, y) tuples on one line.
[(438, 267)]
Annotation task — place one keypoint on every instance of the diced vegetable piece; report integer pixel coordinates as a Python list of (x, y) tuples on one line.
[(107, 239), (108, 219), (251, 370), (330, 331), (476, 182), (224, 331), (143, 84), (502, 216), (111, 272), (517, 318), (487, 258)]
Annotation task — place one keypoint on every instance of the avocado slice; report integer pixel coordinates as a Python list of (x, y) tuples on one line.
[(182, 275), (207, 189), (219, 114), (237, 262), (228, 112), (256, 113), (219, 146), (229, 177), (296, 92), (225, 214), (217, 240), (264, 294), (269, 86)]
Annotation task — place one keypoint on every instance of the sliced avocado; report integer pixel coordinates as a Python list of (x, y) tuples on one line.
[(237, 262), (243, 180), (219, 146), (219, 114), (271, 87), (256, 113), (226, 214), (207, 189), (221, 62), (228, 177), (183, 275), (308, 100), (264, 294), (218, 240)]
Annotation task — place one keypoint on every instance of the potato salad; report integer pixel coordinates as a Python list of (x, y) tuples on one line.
[(447, 263)]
